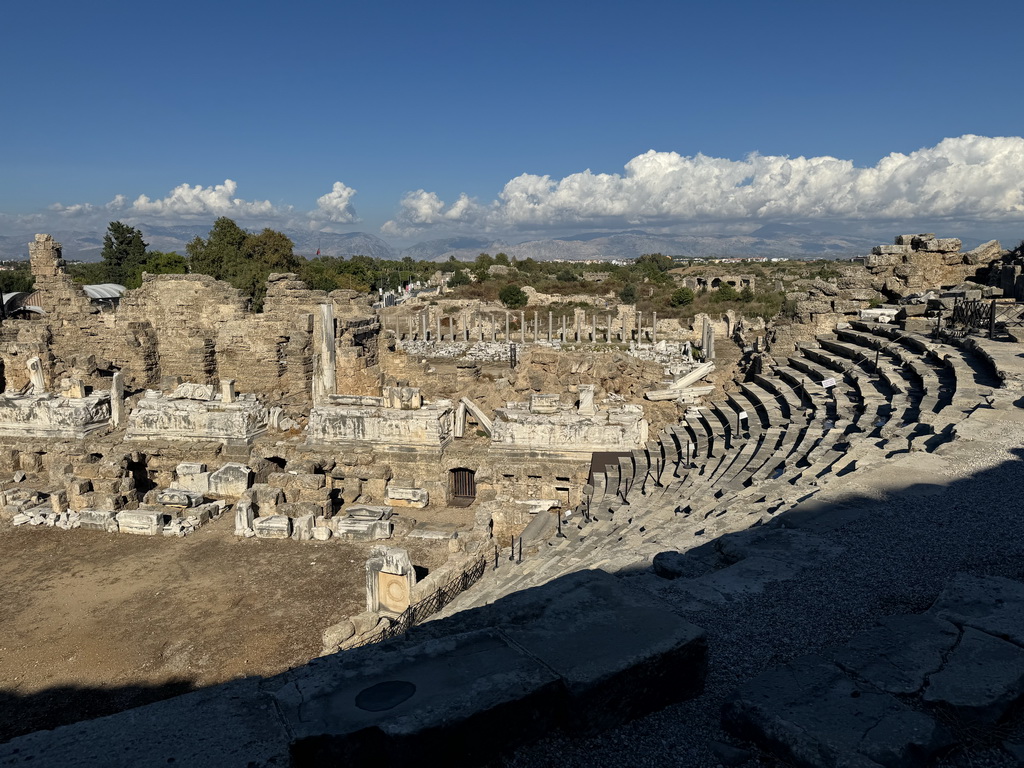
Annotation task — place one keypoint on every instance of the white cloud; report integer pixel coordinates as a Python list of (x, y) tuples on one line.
[(217, 200), (972, 177), (336, 205)]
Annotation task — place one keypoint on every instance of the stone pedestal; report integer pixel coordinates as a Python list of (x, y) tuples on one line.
[(390, 577)]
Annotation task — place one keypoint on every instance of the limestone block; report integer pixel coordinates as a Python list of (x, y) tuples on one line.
[(540, 403), (302, 528), (198, 482), (296, 509), (809, 713), (402, 495), (179, 497), (919, 242), (982, 678), (265, 497), (883, 250), (273, 527), (984, 253), (898, 654), (140, 522), (98, 520), (243, 518), (363, 530), (881, 260), (322, 533), (310, 481), (941, 245), (189, 468), (231, 480)]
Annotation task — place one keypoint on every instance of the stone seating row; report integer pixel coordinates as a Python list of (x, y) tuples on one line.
[(761, 448)]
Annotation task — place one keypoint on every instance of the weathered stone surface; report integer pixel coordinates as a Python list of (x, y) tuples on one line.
[(273, 527), (982, 678), (992, 604), (809, 713), (231, 480), (984, 253), (243, 518), (98, 520), (41, 414), (898, 655), (302, 528), (179, 497), (140, 522), (158, 416), (430, 425)]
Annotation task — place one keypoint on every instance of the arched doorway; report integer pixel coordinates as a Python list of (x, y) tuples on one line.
[(463, 486)]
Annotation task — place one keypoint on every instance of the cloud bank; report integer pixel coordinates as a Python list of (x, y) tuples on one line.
[(187, 202), (970, 177)]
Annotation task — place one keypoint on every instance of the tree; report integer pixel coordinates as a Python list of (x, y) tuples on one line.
[(513, 297), (242, 259), (160, 263), (222, 247), (123, 254), (566, 276), (459, 277), (725, 292), (628, 294), (747, 294), (681, 297), (502, 259)]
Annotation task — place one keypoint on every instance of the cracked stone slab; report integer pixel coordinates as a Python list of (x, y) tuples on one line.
[(898, 654), (786, 544), (233, 725), (990, 603), (811, 714), (982, 678), (462, 695)]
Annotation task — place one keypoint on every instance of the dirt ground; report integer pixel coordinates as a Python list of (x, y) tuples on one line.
[(93, 623)]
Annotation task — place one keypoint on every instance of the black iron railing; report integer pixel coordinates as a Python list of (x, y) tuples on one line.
[(428, 606)]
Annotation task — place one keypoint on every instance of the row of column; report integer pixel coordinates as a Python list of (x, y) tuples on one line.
[(487, 327)]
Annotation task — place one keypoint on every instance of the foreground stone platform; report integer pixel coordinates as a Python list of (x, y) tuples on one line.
[(583, 654)]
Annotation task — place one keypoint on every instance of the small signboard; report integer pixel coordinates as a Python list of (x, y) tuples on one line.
[(742, 415), (828, 383)]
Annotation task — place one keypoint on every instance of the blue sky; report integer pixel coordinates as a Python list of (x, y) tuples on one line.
[(400, 108)]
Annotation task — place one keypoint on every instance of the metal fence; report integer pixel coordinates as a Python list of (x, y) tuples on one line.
[(980, 317), (428, 606)]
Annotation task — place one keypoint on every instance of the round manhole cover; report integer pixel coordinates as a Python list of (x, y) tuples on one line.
[(386, 695)]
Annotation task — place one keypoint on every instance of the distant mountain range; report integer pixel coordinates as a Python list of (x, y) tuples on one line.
[(773, 240)]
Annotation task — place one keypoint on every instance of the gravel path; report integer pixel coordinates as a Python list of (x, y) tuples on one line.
[(895, 558)]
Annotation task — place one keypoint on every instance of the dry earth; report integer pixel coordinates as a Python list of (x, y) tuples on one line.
[(94, 623)]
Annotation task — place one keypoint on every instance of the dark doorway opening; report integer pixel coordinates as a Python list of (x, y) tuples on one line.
[(139, 471), (463, 486)]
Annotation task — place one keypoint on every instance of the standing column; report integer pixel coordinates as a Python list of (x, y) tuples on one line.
[(411, 332), (608, 331), (639, 327), (550, 317), (522, 326), (654, 328), (494, 328), (625, 330), (439, 337), (536, 328), (117, 400), (576, 326), (564, 339), (324, 378), (508, 328), (480, 322), (423, 324), (593, 335)]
